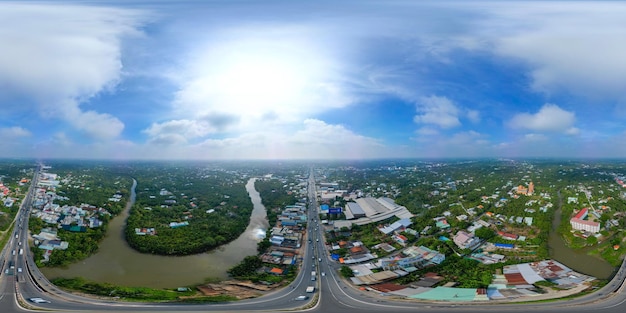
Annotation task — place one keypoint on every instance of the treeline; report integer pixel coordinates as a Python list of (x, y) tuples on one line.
[(274, 197), (175, 194)]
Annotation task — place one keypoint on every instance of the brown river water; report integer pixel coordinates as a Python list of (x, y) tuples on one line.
[(117, 263)]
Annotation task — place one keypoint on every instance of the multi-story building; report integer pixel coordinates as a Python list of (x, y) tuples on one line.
[(578, 222)]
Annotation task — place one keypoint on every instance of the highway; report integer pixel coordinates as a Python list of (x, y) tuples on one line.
[(332, 293)]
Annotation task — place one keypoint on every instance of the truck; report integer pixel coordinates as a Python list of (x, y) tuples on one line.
[(310, 289)]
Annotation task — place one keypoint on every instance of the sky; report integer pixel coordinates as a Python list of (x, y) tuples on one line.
[(312, 79)]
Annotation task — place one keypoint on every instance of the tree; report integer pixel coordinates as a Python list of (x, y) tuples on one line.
[(485, 233), (247, 267), (592, 240), (346, 271)]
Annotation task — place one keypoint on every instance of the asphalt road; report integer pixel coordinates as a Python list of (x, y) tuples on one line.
[(333, 293)]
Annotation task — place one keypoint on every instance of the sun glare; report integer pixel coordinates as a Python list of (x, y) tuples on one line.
[(260, 84)]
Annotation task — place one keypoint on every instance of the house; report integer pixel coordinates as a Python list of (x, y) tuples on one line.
[(397, 226), (176, 225), (441, 223), (466, 240), (401, 239), (277, 240), (508, 236)]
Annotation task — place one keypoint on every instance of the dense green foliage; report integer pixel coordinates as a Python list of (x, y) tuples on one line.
[(247, 267), (7, 215), (134, 293), (346, 271), (250, 268), (168, 194), (274, 197)]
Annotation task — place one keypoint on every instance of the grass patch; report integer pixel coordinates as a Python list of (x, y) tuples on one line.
[(136, 293), (5, 237)]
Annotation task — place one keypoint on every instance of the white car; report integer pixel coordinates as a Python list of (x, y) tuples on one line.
[(323, 274), (301, 298), (19, 269), (38, 300)]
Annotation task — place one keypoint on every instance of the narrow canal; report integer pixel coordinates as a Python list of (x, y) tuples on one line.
[(117, 263)]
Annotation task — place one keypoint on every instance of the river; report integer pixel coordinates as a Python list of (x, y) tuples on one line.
[(117, 263), (577, 260)]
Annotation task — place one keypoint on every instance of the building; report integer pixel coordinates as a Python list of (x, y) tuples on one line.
[(466, 240), (397, 226), (526, 191), (578, 222), (353, 210)]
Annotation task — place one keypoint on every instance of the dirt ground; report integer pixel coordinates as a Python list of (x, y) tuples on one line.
[(238, 289)]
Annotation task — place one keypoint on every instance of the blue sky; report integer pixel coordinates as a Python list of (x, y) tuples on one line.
[(310, 80)]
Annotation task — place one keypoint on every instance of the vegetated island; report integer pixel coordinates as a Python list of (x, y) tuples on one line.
[(183, 210)]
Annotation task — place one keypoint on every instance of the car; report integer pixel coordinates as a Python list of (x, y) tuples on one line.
[(38, 300), (318, 240), (302, 298), (319, 259), (19, 269), (323, 274)]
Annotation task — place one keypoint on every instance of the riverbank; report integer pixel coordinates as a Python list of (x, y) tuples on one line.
[(119, 264), (577, 259)]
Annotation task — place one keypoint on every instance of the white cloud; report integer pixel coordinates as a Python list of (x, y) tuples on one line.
[(314, 140), (259, 76), (550, 118), (100, 126), (14, 132), (573, 47), (57, 56), (439, 111), (183, 128), (427, 131), (473, 116), (318, 132), (535, 137)]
